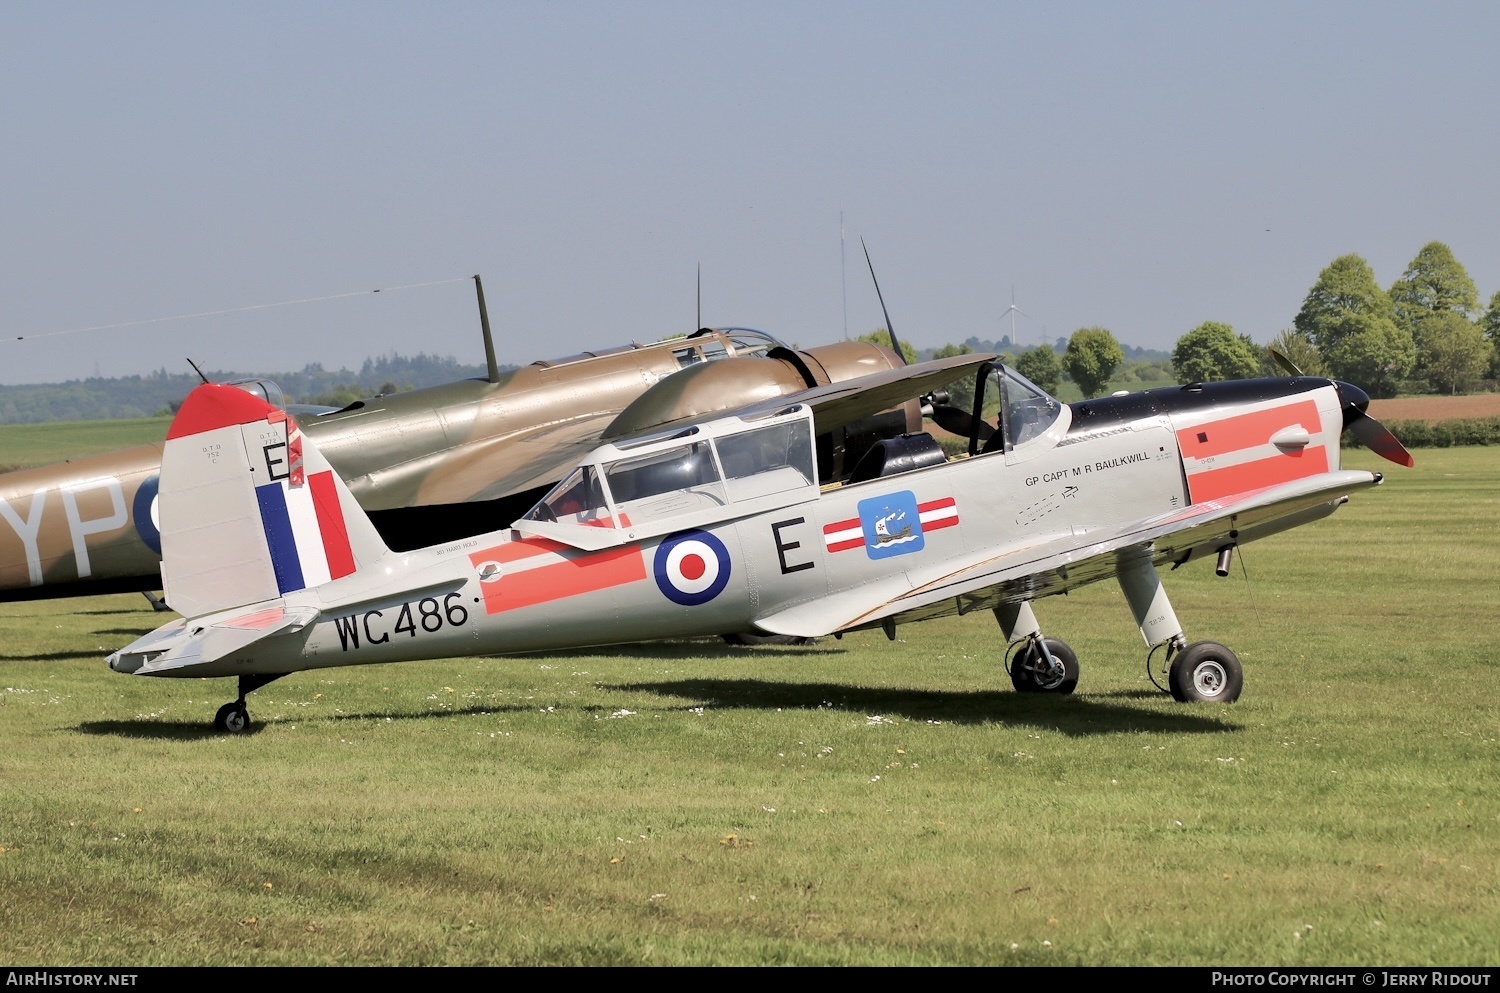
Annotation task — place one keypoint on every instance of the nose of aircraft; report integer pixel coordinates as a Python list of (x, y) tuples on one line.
[(1355, 401), (1374, 435)]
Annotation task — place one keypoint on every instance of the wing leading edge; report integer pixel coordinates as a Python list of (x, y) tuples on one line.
[(1059, 561)]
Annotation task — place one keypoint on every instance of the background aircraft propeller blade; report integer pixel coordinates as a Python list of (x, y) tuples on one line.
[(896, 345), (957, 421)]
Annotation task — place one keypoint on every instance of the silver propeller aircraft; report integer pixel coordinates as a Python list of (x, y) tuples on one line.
[(719, 525)]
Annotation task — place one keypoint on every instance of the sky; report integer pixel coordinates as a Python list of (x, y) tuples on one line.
[(1139, 166)]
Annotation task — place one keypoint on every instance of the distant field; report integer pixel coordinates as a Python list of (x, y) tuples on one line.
[(40, 444), (852, 802), (1436, 408)]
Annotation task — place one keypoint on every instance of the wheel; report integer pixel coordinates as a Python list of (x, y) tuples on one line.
[(1206, 670), (232, 718), (1030, 673)]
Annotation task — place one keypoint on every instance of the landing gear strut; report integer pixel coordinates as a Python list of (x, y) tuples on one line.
[(1041, 665), (234, 717), (1203, 671)]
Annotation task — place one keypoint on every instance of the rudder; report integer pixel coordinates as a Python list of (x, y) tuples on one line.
[(250, 510)]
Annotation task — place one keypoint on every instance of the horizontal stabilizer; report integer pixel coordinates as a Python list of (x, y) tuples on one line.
[(184, 644)]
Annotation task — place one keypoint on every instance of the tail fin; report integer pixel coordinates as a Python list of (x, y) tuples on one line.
[(250, 510)]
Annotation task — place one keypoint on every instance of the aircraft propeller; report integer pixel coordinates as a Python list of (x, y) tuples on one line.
[(1370, 432), (954, 419)]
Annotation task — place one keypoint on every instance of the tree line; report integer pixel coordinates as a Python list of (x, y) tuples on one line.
[(160, 392), (1427, 333)]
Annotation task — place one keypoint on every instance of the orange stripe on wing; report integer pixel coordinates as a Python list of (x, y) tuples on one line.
[(1232, 434), (1215, 484)]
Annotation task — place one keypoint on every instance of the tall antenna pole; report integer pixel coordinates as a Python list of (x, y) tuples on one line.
[(843, 279), (700, 297)]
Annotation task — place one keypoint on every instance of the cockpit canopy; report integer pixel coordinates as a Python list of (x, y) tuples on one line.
[(666, 482), (703, 345), (1027, 410)]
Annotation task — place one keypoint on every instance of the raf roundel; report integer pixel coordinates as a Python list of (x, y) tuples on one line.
[(691, 567), (144, 513)]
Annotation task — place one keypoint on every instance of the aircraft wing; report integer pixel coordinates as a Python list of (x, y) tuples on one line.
[(513, 463), (842, 404), (1045, 564)]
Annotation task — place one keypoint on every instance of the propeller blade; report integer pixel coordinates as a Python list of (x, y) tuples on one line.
[(1371, 433), (1378, 439), (1285, 363), (957, 421), (888, 328)]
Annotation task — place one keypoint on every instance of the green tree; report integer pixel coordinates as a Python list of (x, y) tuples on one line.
[(1042, 367), (1435, 282), (1299, 348), (1451, 351), (960, 391), (1092, 357), (882, 337), (1490, 322), (1212, 351), (1345, 286), (1369, 351)]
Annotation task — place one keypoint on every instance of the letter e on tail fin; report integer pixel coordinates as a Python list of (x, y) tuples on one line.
[(250, 509)]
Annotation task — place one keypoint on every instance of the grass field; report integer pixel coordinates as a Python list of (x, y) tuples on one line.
[(41, 444), (854, 801)]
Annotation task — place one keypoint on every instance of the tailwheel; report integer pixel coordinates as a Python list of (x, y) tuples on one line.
[(1206, 671), (1032, 671), (232, 718)]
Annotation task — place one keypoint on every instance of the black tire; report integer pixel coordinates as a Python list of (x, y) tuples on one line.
[(1029, 672), (1206, 671), (232, 718)]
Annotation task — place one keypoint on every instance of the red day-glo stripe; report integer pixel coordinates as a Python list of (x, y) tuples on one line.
[(582, 574), (1215, 484), (214, 405), (1241, 431), (325, 499), (256, 621)]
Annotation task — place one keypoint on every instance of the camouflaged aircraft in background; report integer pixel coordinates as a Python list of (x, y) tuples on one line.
[(433, 464)]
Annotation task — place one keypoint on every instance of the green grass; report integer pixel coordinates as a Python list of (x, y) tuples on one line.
[(40, 444), (855, 801)]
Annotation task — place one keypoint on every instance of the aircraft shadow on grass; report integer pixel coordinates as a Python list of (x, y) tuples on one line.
[(53, 656), (1073, 716)]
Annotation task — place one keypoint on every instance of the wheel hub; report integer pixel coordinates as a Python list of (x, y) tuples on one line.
[(1209, 678)]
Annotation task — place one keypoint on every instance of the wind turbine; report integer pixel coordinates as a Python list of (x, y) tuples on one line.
[(1013, 310)]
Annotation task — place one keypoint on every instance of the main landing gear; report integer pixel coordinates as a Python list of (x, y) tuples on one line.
[(234, 717), (1039, 665), (1202, 671)]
